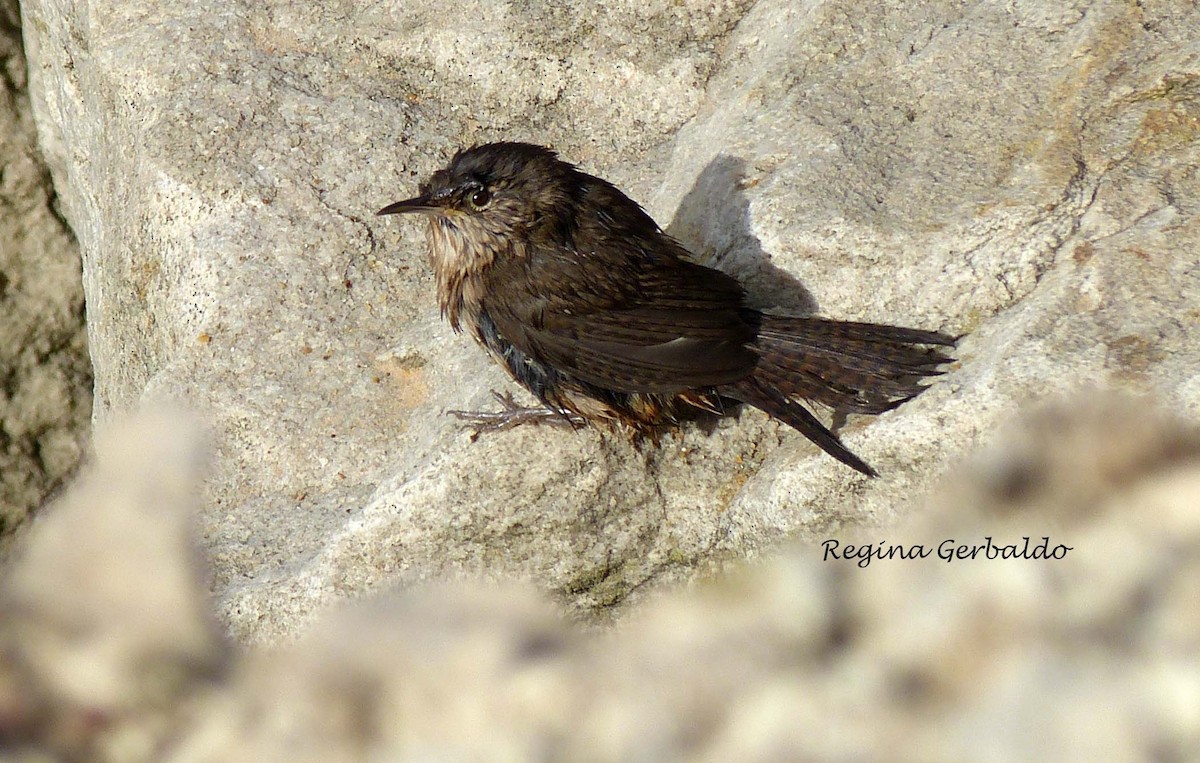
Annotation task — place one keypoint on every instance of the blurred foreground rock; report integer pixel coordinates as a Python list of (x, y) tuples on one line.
[(105, 621), (107, 654)]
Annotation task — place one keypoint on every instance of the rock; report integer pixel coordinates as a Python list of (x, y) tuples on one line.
[(1019, 174), (105, 623), (108, 654), (45, 376)]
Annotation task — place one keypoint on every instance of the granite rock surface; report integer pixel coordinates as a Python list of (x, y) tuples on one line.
[(1023, 174)]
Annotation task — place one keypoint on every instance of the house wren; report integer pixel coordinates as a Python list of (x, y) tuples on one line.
[(574, 290)]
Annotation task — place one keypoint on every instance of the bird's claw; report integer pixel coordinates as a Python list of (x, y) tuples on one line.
[(512, 415)]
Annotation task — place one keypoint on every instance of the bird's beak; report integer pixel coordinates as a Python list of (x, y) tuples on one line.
[(422, 203)]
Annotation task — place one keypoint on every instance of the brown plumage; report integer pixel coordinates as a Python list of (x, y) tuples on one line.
[(574, 289)]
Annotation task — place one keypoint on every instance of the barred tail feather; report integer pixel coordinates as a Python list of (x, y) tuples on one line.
[(851, 367), (856, 367)]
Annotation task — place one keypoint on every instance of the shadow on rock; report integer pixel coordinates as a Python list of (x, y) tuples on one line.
[(713, 221)]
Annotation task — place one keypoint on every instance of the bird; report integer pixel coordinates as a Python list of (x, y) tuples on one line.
[(590, 306)]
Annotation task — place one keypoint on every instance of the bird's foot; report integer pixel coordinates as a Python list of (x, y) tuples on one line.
[(513, 415)]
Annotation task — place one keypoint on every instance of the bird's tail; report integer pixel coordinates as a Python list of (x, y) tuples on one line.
[(850, 367)]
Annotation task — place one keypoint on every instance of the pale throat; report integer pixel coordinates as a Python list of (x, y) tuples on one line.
[(459, 257)]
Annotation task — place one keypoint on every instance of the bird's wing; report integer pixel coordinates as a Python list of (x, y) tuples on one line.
[(632, 318)]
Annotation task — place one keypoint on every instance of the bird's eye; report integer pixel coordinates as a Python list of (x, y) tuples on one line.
[(480, 198)]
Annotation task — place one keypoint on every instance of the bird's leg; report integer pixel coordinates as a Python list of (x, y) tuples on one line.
[(513, 415)]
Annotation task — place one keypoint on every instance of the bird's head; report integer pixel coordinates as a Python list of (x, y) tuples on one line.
[(494, 190)]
